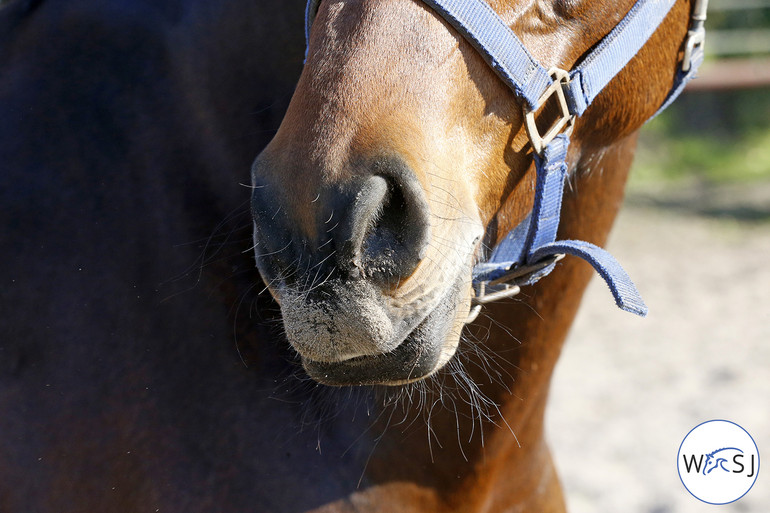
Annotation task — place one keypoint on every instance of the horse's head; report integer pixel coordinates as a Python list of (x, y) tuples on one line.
[(717, 459), (401, 158)]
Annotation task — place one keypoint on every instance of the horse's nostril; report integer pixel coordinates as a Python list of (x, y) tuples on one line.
[(388, 249), (387, 229), (358, 223)]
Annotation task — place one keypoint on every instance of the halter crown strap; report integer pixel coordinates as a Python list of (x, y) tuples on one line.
[(613, 52), (529, 251), (498, 45)]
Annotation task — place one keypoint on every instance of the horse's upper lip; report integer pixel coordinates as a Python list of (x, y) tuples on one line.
[(420, 354)]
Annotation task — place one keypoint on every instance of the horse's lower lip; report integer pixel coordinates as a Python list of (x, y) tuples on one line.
[(410, 361)]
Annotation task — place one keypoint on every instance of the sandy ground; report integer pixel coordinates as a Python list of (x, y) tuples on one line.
[(627, 390)]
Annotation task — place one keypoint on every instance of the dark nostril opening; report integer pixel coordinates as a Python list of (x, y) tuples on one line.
[(388, 227), (388, 230), (390, 221), (360, 218)]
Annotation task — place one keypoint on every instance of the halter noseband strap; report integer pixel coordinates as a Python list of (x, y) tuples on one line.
[(530, 251)]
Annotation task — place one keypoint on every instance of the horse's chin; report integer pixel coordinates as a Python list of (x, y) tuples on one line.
[(424, 350)]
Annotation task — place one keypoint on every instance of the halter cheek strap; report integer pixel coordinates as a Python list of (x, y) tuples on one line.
[(530, 250)]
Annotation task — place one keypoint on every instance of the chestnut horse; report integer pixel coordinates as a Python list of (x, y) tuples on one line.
[(126, 129)]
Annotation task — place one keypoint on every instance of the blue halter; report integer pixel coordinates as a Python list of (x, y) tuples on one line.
[(530, 250)]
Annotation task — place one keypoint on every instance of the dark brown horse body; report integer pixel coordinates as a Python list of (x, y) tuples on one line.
[(126, 128)]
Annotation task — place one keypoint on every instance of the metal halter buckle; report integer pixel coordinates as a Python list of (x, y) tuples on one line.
[(563, 124), (695, 38), (506, 285)]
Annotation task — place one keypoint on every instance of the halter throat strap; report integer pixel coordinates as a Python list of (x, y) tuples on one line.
[(530, 251)]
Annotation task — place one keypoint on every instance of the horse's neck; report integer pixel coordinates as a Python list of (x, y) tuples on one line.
[(480, 457)]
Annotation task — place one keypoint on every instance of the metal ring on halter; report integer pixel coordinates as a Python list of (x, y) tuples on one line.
[(506, 285)]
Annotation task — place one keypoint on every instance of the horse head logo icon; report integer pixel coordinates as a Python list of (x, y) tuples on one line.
[(716, 459)]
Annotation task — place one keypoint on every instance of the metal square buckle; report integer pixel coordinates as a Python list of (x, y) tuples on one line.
[(563, 124)]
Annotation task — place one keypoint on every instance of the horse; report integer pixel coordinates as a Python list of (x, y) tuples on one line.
[(144, 366)]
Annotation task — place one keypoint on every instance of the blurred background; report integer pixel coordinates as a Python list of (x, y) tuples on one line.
[(695, 237)]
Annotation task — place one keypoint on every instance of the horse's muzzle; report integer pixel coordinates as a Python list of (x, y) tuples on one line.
[(341, 266)]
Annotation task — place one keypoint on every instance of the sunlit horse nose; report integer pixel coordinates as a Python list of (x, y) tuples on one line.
[(379, 230)]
